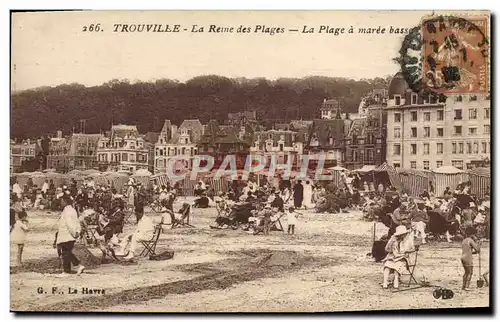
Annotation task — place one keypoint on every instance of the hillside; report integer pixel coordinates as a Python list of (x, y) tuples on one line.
[(45, 110)]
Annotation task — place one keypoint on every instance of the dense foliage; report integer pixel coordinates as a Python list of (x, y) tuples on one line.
[(43, 111)]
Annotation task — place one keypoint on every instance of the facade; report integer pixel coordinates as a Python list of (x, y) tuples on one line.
[(330, 109), (76, 152), (425, 133), (286, 146), (218, 141), (123, 149), (326, 137), (174, 142), (242, 118), (22, 152), (365, 141)]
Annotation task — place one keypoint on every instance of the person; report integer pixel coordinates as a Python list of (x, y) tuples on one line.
[(396, 259), (278, 202), (16, 188), (115, 221), (298, 194), (130, 194), (307, 191), (291, 219), (45, 187), (469, 247), (267, 214), (18, 234), (144, 231), (73, 188), (140, 201), (68, 231), (419, 219)]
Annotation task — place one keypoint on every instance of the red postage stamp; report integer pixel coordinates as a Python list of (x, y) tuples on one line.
[(456, 54)]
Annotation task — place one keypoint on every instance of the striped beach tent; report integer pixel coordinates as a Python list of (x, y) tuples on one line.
[(413, 181), (481, 181), (392, 174), (447, 176)]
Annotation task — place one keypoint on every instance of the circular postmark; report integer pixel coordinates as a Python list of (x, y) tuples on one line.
[(447, 55)]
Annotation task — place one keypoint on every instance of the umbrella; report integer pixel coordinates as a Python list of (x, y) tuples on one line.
[(142, 173), (448, 169)]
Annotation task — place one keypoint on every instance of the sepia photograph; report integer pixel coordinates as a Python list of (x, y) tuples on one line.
[(250, 161)]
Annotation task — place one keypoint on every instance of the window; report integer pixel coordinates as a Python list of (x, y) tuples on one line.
[(124, 156), (413, 132), (413, 164), (132, 157), (427, 132), (440, 115), (458, 114), (396, 165), (483, 147), (397, 117), (413, 148), (426, 148), (469, 166), (439, 148), (472, 130), (397, 132), (459, 164), (414, 98), (486, 113), (414, 117), (458, 130), (397, 149), (426, 165), (472, 113), (397, 99), (440, 132), (460, 148), (427, 116), (453, 148), (486, 129), (469, 147), (439, 164), (475, 148)]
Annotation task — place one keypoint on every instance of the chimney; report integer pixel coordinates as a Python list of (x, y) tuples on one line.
[(59, 134), (324, 100), (174, 129)]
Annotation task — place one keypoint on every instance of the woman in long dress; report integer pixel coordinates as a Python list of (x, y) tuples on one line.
[(308, 191)]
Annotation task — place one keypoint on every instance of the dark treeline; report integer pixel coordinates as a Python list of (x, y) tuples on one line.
[(45, 110)]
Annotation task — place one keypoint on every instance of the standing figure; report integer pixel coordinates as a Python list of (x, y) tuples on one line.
[(298, 194), (308, 191)]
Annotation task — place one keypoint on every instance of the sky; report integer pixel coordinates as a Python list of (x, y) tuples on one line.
[(50, 48)]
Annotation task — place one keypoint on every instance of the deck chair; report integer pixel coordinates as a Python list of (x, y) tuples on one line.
[(129, 212), (90, 236), (150, 245), (183, 221), (274, 223)]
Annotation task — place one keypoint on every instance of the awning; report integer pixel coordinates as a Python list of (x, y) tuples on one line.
[(447, 169)]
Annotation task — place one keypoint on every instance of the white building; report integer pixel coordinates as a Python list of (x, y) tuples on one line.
[(123, 149), (175, 142), (424, 133), (285, 146)]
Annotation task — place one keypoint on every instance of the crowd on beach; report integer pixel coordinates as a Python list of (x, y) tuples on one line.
[(258, 207)]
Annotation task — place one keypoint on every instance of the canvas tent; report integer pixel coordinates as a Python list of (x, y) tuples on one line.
[(481, 181), (447, 176)]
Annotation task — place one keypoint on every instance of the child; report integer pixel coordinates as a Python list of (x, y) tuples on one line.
[(18, 234), (291, 218), (469, 247)]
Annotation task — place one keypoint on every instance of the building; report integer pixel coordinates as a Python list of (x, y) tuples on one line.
[(326, 137), (22, 152), (76, 152), (242, 118), (174, 142), (219, 141), (427, 133), (123, 149), (286, 146), (330, 109), (365, 141)]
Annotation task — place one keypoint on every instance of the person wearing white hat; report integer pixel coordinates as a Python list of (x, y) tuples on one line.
[(397, 249)]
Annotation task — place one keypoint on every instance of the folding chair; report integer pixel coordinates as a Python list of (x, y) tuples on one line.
[(184, 220), (411, 263), (129, 214), (150, 245), (91, 235), (273, 223)]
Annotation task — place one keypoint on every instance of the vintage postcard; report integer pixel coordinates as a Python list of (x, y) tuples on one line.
[(250, 161)]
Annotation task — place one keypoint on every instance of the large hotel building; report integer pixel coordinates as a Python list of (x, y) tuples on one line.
[(427, 134)]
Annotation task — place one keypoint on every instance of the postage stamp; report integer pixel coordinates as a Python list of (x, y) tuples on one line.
[(455, 54)]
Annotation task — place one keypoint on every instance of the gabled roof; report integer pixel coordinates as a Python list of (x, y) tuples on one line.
[(193, 126), (121, 130), (167, 126), (323, 130), (151, 137)]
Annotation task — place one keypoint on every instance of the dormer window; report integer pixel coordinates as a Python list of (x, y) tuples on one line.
[(397, 100), (330, 140), (414, 99)]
